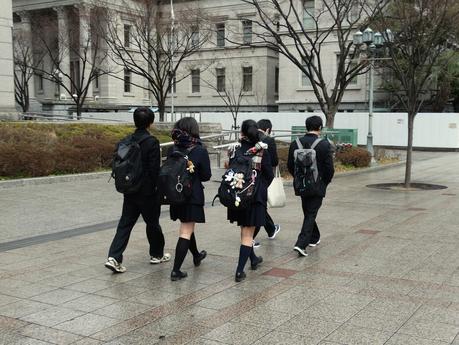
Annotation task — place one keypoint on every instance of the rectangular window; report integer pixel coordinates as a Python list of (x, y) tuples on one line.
[(220, 34), (195, 36), (247, 31), (305, 81), (220, 73), (351, 64), (195, 81), (247, 79), (309, 14), (96, 79), (276, 81), (127, 81), (127, 35), (355, 11), (40, 82)]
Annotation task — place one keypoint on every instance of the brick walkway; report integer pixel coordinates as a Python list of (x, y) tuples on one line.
[(386, 271)]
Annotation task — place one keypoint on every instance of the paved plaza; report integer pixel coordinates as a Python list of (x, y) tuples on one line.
[(386, 271)]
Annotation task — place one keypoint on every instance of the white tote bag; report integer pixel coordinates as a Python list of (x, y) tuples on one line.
[(276, 193)]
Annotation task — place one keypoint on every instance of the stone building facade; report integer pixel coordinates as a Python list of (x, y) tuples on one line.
[(270, 81), (7, 103)]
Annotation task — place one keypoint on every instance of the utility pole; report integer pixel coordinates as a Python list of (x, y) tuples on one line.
[(172, 62)]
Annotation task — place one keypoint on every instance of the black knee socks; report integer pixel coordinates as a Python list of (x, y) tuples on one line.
[(244, 253), (193, 245), (180, 252)]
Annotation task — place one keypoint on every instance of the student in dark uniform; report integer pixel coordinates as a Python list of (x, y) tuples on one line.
[(145, 202), (249, 219), (265, 127), (186, 137), (310, 234)]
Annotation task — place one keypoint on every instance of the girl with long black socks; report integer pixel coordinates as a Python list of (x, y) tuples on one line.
[(186, 138), (255, 215)]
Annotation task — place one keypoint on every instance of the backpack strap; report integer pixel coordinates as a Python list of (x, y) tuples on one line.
[(298, 143), (315, 143), (142, 139)]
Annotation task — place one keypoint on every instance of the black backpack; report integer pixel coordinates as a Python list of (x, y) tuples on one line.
[(239, 183), (174, 180), (306, 178), (127, 167)]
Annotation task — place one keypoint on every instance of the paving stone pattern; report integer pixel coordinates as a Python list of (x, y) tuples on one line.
[(386, 271)]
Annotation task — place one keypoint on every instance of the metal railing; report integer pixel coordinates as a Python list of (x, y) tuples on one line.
[(221, 136)]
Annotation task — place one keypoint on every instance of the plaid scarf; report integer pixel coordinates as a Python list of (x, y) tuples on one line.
[(256, 152), (183, 139)]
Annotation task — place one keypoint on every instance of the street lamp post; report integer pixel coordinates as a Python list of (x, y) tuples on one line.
[(172, 62), (370, 42)]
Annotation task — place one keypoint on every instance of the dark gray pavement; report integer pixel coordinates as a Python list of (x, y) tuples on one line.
[(386, 271)]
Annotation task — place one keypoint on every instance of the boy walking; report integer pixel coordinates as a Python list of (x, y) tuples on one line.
[(265, 128), (310, 234), (144, 201)]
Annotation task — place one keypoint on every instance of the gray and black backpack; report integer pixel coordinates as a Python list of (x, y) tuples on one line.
[(306, 178)]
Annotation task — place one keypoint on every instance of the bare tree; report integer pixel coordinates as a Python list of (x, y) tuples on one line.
[(300, 32), (229, 83), (25, 63), (154, 43), (83, 42), (425, 31)]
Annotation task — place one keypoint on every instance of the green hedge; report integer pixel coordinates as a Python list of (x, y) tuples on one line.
[(35, 149)]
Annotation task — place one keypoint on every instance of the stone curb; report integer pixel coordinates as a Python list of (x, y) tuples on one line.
[(52, 179), (91, 176)]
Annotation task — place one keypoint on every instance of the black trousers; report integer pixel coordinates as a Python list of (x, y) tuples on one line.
[(134, 206), (269, 226), (309, 231)]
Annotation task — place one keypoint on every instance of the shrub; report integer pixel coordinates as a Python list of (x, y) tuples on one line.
[(354, 156), (34, 149)]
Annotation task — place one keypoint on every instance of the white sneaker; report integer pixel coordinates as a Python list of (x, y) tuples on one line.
[(256, 244), (314, 244), (115, 266), (277, 228), (166, 257), (300, 251)]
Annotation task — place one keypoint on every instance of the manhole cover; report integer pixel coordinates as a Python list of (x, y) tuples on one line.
[(401, 186)]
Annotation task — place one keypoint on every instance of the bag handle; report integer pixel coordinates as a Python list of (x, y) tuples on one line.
[(277, 173)]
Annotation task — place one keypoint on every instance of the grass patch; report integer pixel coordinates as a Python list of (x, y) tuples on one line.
[(36, 149)]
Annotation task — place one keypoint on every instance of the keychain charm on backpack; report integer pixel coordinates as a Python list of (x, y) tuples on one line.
[(179, 185)]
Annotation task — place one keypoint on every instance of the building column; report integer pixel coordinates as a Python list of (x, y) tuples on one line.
[(63, 43), (7, 103), (85, 46), (26, 29)]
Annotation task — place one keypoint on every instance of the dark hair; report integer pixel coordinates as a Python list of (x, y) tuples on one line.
[(314, 123), (189, 125), (249, 129), (265, 124), (143, 117)]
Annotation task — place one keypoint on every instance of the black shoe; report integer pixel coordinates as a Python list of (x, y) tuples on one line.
[(240, 276), (300, 251), (197, 259), (177, 275), (254, 265)]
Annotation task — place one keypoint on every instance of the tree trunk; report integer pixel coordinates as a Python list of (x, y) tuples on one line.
[(409, 150), (234, 121), (78, 110), (330, 118), (161, 110)]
